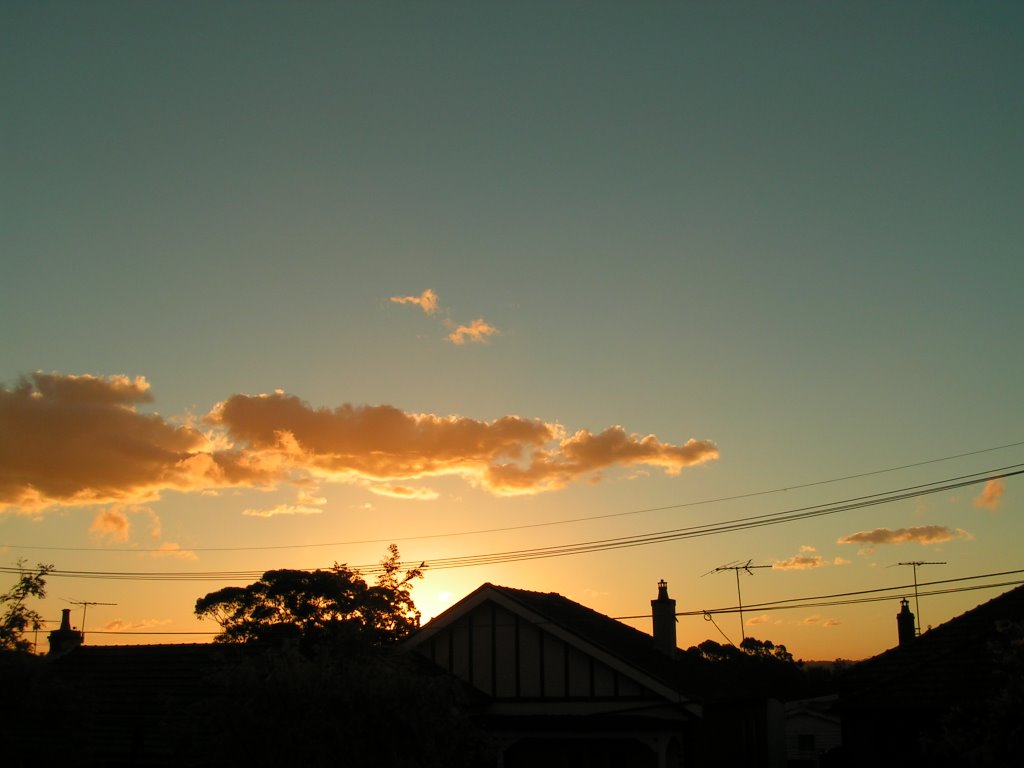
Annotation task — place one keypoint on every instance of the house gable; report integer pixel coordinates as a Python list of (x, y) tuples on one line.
[(518, 646)]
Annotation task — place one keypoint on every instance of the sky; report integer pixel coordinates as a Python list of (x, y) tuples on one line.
[(284, 283)]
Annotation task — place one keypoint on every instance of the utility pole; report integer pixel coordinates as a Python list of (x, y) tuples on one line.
[(85, 605), (917, 605), (747, 566)]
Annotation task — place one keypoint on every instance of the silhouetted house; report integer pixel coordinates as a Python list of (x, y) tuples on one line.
[(908, 705), (565, 685), (813, 730), (131, 704)]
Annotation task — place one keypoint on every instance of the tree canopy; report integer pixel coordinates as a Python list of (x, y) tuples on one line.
[(335, 604), (17, 616)]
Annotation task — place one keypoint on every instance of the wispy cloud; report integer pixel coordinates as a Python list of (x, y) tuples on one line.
[(991, 495), (111, 524), (80, 440), (478, 331), (427, 301), (800, 563), (120, 625), (282, 509), (828, 623), (922, 534), (806, 560), (841, 561), (754, 621), (170, 549), (812, 619)]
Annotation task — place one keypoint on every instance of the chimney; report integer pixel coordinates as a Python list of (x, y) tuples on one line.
[(64, 639), (663, 612), (905, 623)]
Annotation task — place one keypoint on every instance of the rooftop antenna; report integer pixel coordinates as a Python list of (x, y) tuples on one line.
[(85, 605), (917, 605), (748, 567)]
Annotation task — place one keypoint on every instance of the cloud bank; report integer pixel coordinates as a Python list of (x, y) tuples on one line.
[(74, 440)]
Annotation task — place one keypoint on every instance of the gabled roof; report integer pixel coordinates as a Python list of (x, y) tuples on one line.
[(950, 662), (590, 631)]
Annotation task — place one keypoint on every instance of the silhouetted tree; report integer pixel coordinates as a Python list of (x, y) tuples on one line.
[(312, 606), (18, 617)]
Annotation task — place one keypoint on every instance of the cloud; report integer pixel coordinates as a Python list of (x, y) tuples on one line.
[(112, 524), (477, 331), (806, 560), (403, 491), (427, 301), (831, 623), (812, 619), (169, 549), (922, 534), (282, 509), (800, 563), (119, 625), (991, 495), (80, 440), (841, 561), (70, 440), (382, 444), (764, 618)]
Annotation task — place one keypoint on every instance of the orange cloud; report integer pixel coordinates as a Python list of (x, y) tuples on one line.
[(991, 495), (282, 509), (71, 440), (764, 618), (403, 492), (119, 625), (800, 563), (510, 455), (477, 331), (427, 301), (840, 561), (922, 534), (170, 549), (831, 623), (111, 523)]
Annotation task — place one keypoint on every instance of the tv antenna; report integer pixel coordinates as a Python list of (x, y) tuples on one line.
[(85, 605), (748, 567), (917, 605)]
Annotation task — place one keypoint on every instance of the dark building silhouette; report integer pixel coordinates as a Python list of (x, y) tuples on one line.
[(64, 639)]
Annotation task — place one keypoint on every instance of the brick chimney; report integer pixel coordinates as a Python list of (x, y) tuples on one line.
[(905, 623), (64, 639), (663, 613)]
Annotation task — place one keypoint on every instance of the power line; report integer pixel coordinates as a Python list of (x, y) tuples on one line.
[(600, 545), (856, 596), (525, 526)]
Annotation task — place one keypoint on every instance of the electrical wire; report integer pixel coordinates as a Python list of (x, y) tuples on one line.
[(525, 526), (601, 545)]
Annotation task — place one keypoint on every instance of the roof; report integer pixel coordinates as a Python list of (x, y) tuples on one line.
[(589, 628), (948, 663)]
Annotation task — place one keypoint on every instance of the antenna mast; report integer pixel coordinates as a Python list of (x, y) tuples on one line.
[(85, 605), (917, 605), (747, 566)]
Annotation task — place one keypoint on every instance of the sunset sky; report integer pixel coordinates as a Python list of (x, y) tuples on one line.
[(283, 283)]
